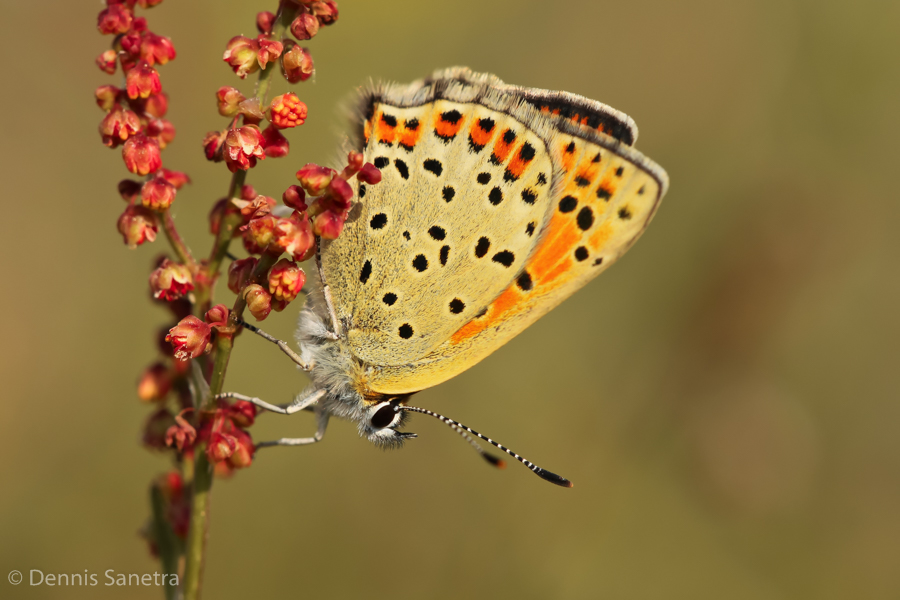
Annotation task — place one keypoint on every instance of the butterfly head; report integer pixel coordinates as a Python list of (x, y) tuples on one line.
[(382, 420)]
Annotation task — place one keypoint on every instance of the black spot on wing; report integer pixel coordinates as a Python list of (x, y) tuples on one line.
[(381, 162), (401, 168), (390, 298), (389, 120), (495, 196), (457, 306), (448, 192), (483, 178), (504, 257), (420, 263), (585, 218), (434, 166), (568, 204), (378, 221), (366, 272), (524, 281), (581, 253), (445, 255), (528, 196), (482, 247), (437, 232), (405, 331)]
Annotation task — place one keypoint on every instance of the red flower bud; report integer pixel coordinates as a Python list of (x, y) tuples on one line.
[(259, 207), (242, 413), (140, 23), (217, 316), (131, 45), (129, 189), (155, 383), (241, 54), (182, 434), (157, 105), (369, 174), (305, 27), (161, 130), (214, 145), (171, 281), (154, 435), (228, 99), (141, 155), (114, 19), (157, 194), (220, 446), (341, 192), (141, 81), (328, 225), (264, 21), (244, 450), (315, 179), (295, 198), (176, 178), (276, 145), (239, 273), (107, 61), (354, 164), (248, 192), (260, 232), (106, 96), (297, 64), (156, 49), (286, 280), (137, 225), (242, 147), (269, 51), (119, 125), (327, 11), (259, 301), (287, 111), (190, 338), (295, 236)]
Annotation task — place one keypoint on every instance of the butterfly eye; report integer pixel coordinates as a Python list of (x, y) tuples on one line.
[(384, 416)]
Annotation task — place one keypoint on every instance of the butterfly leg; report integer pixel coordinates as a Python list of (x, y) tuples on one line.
[(321, 419), (282, 345), (303, 401), (337, 334)]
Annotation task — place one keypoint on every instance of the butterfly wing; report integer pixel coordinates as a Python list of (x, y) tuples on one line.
[(598, 197), (465, 191)]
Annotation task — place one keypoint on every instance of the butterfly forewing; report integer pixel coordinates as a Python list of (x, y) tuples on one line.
[(463, 199)]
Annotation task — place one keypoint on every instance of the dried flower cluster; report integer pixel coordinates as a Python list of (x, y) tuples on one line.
[(188, 422)]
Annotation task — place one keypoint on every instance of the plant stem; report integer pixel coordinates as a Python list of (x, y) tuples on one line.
[(166, 543), (203, 472), (178, 245)]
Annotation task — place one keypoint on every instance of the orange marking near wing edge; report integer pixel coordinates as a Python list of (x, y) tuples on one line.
[(409, 137), (496, 311), (384, 132), (555, 248)]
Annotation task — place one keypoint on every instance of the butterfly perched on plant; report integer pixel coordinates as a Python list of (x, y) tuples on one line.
[(497, 202)]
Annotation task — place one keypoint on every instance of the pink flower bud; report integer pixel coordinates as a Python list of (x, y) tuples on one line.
[(182, 434), (295, 236), (242, 147), (369, 174), (327, 11), (259, 301), (243, 452), (107, 61), (287, 111), (119, 125), (269, 51), (155, 383), (239, 273), (214, 145), (171, 281), (155, 427), (276, 145), (328, 225), (228, 99), (264, 21), (106, 96), (315, 179), (190, 338), (295, 198), (176, 178), (305, 27), (157, 105), (141, 155), (241, 54), (242, 413), (156, 49), (160, 130), (341, 192), (114, 19), (137, 225), (157, 194), (220, 446), (297, 64), (286, 280), (141, 81), (217, 316)]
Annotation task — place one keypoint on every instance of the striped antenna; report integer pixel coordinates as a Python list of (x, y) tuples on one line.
[(462, 429)]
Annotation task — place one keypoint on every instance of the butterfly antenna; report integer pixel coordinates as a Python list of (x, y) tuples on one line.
[(462, 430)]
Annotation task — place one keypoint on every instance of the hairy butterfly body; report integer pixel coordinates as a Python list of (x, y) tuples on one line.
[(497, 203)]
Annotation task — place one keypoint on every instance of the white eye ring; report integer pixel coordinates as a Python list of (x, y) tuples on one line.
[(384, 415)]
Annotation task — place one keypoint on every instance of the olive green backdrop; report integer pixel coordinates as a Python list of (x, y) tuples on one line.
[(725, 398)]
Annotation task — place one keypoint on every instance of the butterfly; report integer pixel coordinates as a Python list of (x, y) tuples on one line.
[(497, 203)]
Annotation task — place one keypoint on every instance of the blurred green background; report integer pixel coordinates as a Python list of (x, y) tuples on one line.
[(725, 399)]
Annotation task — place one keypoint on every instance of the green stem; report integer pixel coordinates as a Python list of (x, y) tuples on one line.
[(166, 541), (178, 245)]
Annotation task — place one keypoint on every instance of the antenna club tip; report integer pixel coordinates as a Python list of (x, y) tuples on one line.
[(501, 464), (569, 484)]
